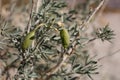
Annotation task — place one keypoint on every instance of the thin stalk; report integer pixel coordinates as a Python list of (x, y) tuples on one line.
[(93, 14)]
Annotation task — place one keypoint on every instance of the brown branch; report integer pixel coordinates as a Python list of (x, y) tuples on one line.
[(64, 56), (61, 60), (54, 69)]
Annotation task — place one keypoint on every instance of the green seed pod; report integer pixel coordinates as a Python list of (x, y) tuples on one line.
[(65, 37), (28, 40)]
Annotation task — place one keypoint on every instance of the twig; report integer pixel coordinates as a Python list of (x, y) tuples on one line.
[(61, 60), (109, 55), (90, 40), (0, 9), (54, 69), (103, 7), (39, 3), (92, 15), (90, 76), (99, 6), (29, 22)]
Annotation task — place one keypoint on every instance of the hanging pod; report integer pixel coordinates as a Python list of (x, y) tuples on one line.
[(65, 37), (30, 37), (28, 40)]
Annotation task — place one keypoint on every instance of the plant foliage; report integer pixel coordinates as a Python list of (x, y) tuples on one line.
[(46, 58)]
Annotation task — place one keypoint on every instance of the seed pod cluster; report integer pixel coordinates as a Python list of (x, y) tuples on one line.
[(65, 37), (28, 40)]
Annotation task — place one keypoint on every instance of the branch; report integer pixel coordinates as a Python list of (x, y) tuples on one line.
[(64, 57), (54, 69), (61, 60), (99, 6), (0, 9), (39, 3), (109, 55), (92, 15), (29, 22)]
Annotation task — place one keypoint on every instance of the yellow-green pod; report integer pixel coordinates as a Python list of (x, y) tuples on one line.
[(65, 37), (28, 40)]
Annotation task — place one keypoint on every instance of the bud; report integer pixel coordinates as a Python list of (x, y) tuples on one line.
[(60, 24)]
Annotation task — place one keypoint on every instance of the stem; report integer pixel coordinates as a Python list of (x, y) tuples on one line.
[(29, 22), (0, 9), (96, 10), (39, 3), (90, 40), (109, 55), (92, 15), (54, 69), (38, 26)]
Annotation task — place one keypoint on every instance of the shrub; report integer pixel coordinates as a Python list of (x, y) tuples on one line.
[(44, 51)]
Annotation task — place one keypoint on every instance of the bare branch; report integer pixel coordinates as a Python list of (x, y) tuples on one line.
[(92, 15), (109, 55), (29, 22)]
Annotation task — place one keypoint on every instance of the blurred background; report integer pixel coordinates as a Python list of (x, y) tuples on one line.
[(109, 14)]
